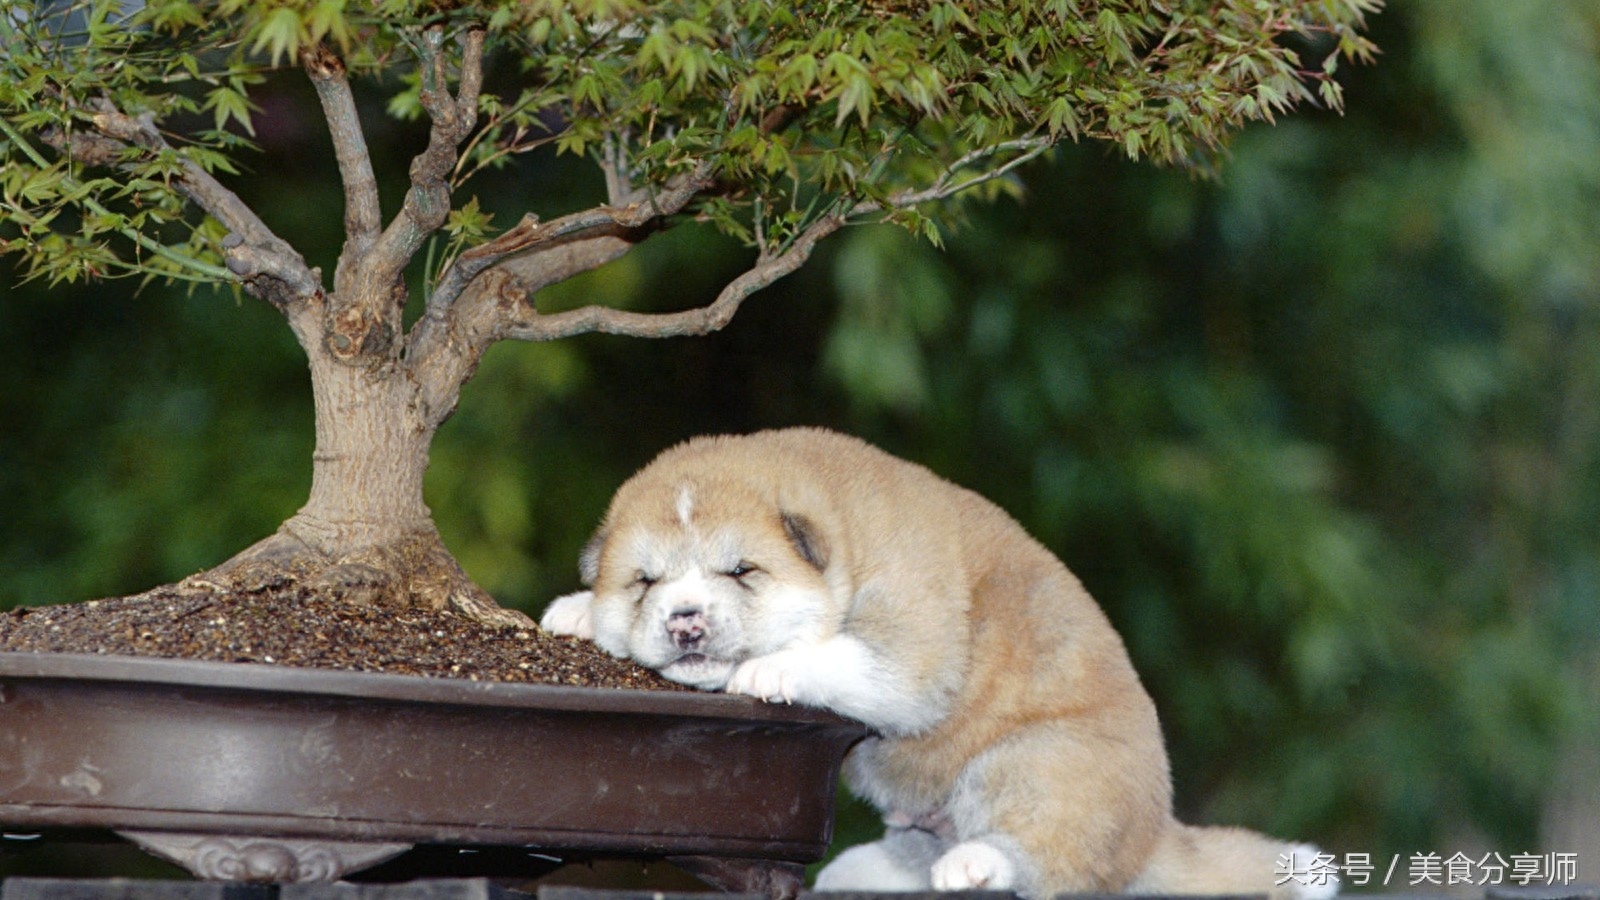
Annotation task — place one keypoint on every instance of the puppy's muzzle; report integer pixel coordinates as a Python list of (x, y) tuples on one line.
[(687, 627)]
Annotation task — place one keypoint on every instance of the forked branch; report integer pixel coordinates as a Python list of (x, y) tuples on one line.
[(530, 236), (427, 203), (363, 216), (364, 315), (268, 265), (486, 293), (947, 185), (533, 326)]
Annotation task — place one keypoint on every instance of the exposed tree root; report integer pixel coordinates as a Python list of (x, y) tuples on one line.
[(411, 569)]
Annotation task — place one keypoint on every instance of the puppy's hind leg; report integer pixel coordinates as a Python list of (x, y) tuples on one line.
[(901, 862), (1054, 808)]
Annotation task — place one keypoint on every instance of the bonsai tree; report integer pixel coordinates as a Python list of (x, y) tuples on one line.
[(122, 126)]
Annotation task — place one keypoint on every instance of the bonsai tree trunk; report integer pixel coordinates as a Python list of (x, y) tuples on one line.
[(365, 534)]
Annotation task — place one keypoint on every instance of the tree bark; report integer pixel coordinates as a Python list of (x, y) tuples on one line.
[(365, 534), (370, 457)]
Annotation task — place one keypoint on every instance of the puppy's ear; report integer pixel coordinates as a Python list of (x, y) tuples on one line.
[(589, 558), (807, 540)]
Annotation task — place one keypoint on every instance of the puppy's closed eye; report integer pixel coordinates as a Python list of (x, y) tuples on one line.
[(742, 572)]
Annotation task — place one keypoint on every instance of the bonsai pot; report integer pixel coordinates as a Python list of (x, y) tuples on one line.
[(253, 772)]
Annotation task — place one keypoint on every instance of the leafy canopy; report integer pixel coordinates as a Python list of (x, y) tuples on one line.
[(800, 109)]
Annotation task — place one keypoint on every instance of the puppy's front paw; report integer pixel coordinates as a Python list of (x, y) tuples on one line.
[(776, 678), (570, 614), (973, 866)]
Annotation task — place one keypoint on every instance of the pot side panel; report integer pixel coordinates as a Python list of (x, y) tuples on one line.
[(117, 755)]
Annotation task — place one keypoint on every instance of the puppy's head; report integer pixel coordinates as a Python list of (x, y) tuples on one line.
[(694, 574)]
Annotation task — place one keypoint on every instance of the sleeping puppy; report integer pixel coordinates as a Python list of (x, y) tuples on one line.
[(1015, 748)]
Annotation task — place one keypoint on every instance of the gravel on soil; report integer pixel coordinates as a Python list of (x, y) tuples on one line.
[(292, 627)]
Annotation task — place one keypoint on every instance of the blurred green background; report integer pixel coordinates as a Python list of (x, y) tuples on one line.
[(1321, 434)]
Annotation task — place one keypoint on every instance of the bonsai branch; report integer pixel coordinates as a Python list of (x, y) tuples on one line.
[(946, 186), (427, 203), (94, 148), (254, 254), (363, 317), (770, 266), (446, 345), (706, 319), (362, 213), (483, 293), (529, 236)]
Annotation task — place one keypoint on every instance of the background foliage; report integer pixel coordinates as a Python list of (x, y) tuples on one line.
[(1321, 434)]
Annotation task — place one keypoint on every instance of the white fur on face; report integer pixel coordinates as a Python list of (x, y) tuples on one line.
[(708, 664), (785, 616), (686, 571), (638, 629), (685, 505)]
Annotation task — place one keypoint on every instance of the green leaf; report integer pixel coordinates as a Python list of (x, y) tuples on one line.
[(281, 33), (228, 103)]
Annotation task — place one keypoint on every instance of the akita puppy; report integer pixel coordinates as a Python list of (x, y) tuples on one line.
[(1015, 748)]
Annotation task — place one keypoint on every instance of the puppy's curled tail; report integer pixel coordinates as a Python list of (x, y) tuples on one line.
[(1193, 859)]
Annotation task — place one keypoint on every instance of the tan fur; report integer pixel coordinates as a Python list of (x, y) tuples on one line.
[(1032, 733)]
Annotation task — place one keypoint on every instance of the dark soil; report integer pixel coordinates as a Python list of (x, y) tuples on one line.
[(292, 627)]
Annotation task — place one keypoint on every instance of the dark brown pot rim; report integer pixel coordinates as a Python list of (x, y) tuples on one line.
[(408, 688)]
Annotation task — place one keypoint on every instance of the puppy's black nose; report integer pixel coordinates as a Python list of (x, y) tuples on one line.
[(687, 627)]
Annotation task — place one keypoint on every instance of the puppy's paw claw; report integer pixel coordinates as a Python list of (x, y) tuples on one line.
[(572, 614), (973, 866), (772, 678)]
